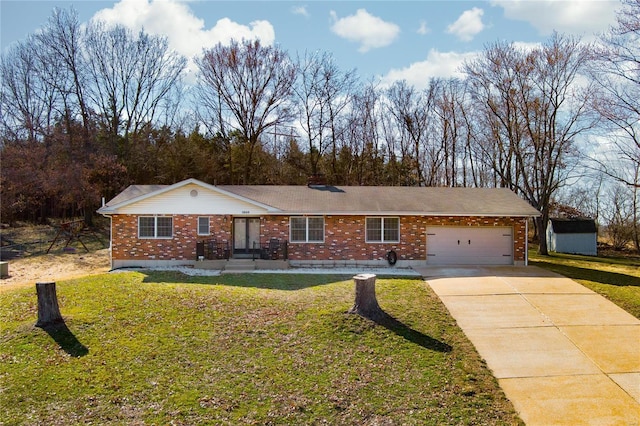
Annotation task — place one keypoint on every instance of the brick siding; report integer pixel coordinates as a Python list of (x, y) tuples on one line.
[(126, 245), (344, 237)]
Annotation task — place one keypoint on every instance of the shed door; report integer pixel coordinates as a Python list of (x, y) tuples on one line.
[(469, 245)]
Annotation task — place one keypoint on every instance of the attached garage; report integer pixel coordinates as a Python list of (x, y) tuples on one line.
[(469, 245)]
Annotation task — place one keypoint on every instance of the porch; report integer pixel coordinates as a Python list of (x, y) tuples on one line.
[(213, 250)]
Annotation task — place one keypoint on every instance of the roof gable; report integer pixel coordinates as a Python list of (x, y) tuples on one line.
[(187, 197), (133, 192)]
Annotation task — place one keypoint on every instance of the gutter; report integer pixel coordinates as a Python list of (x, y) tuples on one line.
[(397, 213)]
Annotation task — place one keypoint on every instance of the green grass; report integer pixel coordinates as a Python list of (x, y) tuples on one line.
[(161, 348), (617, 278)]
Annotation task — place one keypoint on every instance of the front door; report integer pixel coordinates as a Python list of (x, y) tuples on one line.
[(246, 235)]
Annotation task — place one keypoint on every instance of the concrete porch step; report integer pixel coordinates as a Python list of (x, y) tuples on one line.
[(210, 264), (239, 265)]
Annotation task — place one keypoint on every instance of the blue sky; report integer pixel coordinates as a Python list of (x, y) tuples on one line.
[(387, 40)]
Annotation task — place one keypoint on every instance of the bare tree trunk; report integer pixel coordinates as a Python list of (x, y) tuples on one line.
[(366, 304), (48, 309), (541, 228)]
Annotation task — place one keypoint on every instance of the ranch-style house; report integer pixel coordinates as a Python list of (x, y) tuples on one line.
[(317, 225)]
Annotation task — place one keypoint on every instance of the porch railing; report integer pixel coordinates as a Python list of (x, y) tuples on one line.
[(274, 249), (212, 249)]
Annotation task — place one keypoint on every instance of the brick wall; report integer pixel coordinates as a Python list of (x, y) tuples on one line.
[(127, 246), (344, 237)]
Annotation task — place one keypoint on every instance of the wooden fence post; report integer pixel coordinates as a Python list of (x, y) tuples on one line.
[(366, 303), (48, 309)]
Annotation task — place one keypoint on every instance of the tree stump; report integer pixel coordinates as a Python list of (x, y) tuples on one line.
[(48, 309), (366, 304)]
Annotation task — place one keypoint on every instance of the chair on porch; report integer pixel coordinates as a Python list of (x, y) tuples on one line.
[(200, 250), (274, 247), (212, 249)]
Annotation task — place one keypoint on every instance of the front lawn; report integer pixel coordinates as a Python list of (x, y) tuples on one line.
[(617, 278), (163, 348)]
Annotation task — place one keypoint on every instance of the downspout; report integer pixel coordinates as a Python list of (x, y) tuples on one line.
[(110, 232), (111, 242), (110, 239), (526, 242)]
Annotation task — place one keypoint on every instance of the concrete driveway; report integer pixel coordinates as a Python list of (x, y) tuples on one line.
[(563, 354)]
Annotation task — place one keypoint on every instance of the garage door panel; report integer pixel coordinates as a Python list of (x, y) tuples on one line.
[(469, 245)]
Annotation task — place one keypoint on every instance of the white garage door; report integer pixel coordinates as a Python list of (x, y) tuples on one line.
[(469, 245)]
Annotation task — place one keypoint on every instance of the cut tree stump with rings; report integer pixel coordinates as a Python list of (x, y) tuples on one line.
[(366, 304)]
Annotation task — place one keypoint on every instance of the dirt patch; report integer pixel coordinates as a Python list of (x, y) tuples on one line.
[(55, 267)]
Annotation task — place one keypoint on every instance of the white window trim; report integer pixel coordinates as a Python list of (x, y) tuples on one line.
[(306, 230), (382, 240), (155, 228), (208, 218)]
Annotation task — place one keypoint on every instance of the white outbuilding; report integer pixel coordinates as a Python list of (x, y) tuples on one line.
[(573, 236)]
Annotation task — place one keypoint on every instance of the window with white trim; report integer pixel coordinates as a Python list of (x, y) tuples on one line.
[(203, 225), (306, 229), (382, 229), (155, 227)]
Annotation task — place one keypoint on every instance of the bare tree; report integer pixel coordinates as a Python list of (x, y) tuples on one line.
[(323, 94), (26, 100), (50, 62), (130, 76), (617, 73), (413, 113), (250, 87), (534, 110), (618, 216), (360, 160), (476, 171), (59, 51), (454, 128)]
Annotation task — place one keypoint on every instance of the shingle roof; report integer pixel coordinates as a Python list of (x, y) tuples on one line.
[(134, 191), (388, 199), (363, 199), (573, 226)]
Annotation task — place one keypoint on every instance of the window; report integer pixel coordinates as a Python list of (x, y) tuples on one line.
[(307, 229), (146, 227), (383, 229), (203, 225), (315, 229), (155, 227)]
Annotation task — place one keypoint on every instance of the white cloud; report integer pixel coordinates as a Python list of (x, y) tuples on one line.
[(300, 10), (423, 29), (468, 25), (581, 17), (185, 31), (526, 47), (437, 64), (369, 31)]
